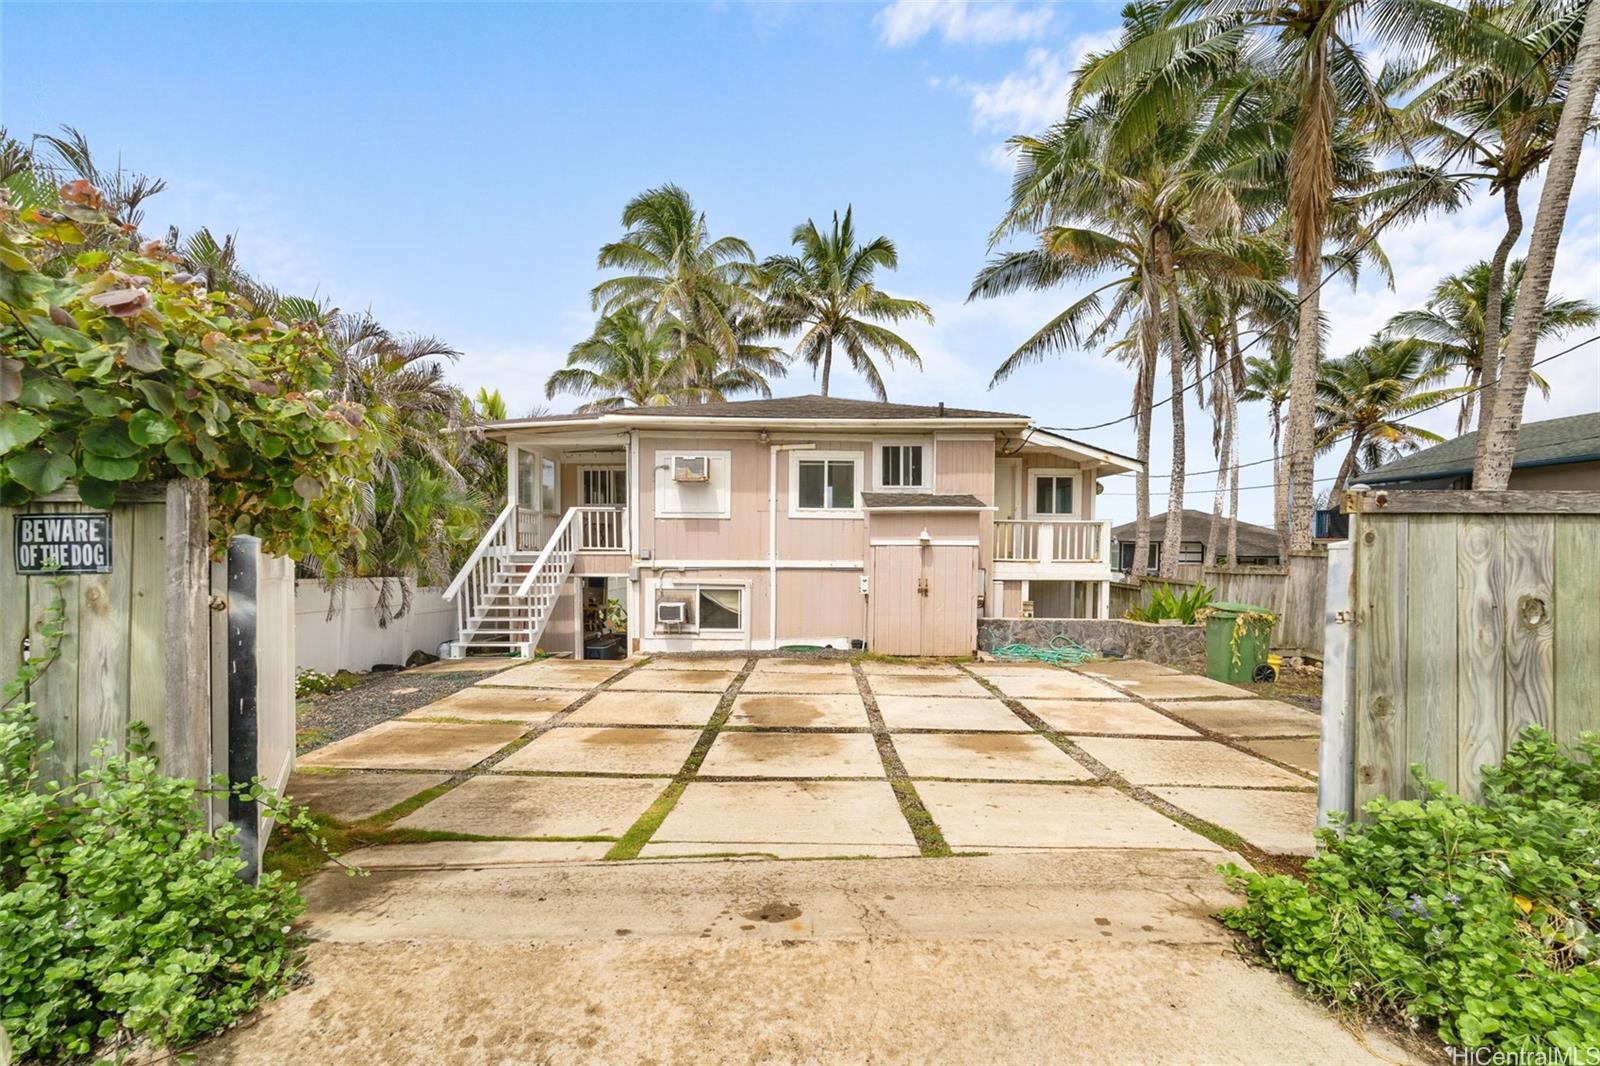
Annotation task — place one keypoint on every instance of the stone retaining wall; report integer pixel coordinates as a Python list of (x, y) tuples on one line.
[(1107, 636)]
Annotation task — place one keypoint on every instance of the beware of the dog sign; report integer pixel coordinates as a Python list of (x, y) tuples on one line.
[(63, 543)]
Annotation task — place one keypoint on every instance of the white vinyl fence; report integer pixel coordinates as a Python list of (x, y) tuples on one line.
[(352, 638)]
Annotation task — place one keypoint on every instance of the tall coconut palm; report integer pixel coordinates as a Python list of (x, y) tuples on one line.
[(828, 291), (1504, 122), (1313, 49), (1459, 317), (1364, 399), (696, 286), (1493, 468), (628, 361), (1266, 380)]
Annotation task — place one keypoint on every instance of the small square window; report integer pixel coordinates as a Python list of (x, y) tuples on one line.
[(1052, 495), (902, 466), (827, 485), (721, 609), (1191, 551)]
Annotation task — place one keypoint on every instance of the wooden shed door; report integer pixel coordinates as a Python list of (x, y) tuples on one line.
[(923, 599)]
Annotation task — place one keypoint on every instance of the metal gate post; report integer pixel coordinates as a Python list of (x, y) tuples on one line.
[(244, 561), (1336, 776)]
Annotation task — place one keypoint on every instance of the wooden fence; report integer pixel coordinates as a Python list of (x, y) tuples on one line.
[(1474, 614), (146, 639), (1294, 591)]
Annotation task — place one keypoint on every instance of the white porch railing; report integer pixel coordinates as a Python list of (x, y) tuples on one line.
[(537, 594), (1051, 542), (527, 529), (602, 528), (482, 576)]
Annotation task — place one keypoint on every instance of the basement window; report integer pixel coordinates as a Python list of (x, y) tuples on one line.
[(721, 609)]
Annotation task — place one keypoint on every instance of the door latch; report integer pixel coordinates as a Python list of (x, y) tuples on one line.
[(922, 586)]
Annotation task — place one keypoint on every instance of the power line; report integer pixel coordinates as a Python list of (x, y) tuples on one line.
[(1466, 143)]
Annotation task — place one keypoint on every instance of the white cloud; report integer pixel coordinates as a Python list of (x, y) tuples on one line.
[(1034, 95), (906, 22)]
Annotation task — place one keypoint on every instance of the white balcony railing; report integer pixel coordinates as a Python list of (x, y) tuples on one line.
[(602, 529), (1052, 542)]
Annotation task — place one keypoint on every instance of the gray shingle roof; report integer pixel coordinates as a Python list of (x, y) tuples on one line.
[(1254, 540), (779, 408), (930, 500), (1549, 443)]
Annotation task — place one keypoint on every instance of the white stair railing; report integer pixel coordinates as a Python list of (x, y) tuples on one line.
[(474, 588), (536, 596)]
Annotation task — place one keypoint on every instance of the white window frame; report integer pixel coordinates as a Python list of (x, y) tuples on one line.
[(696, 631), (1200, 547), (797, 457), (743, 610), (927, 446), (663, 465), (1035, 473), (611, 470), (549, 492)]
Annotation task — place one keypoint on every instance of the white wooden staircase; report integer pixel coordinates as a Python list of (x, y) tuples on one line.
[(504, 598)]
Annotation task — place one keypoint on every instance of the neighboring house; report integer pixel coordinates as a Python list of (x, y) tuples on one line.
[(1556, 454), (1258, 545), (805, 520)]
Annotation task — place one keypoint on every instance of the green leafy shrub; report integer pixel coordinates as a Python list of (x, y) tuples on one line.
[(1165, 604), (118, 367), (1481, 919), (316, 683)]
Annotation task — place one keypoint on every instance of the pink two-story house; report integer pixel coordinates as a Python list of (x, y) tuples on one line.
[(805, 520)]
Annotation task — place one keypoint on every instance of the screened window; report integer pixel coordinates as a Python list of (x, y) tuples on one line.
[(1191, 551), (547, 483), (601, 487), (527, 487), (902, 466), (1052, 495), (721, 609), (827, 485)]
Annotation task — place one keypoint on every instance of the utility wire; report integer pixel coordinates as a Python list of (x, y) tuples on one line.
[(1467, 142)]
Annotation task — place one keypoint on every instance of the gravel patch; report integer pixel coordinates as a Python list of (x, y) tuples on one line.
[(379, 697)]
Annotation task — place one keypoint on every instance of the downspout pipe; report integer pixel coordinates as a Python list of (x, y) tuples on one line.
[(772, 535)]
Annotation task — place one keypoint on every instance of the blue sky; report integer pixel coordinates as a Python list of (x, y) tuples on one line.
[(455, 167)]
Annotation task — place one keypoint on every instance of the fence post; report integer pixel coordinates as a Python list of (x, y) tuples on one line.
[(244, 562), (1336, 776)]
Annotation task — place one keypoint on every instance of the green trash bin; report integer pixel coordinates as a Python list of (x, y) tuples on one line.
[(1234, 650)]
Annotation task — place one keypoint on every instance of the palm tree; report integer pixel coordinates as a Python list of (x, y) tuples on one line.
[(1493, 468), (1266, 380), (704, 291), (1456, 321), (1510, 122), (1365, 397), (828, 291), (627, 361), (1313, 56)]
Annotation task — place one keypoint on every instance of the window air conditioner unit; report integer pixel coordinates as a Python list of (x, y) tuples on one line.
[(691, 468), (670, 612)]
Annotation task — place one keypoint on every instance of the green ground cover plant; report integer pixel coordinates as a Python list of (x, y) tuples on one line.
[(1481, 919), (1165, 604)]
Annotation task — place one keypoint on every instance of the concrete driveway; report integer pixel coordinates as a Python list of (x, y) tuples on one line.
[(1033, 881), (806, 758)]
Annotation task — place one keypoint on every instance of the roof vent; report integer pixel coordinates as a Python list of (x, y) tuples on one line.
[(941, 408)]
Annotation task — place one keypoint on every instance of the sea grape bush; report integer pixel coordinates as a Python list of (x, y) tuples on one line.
[(117, 366), (1481, 919)]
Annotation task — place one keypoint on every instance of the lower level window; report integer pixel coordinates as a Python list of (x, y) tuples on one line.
[(1191, 551), (721, 609)]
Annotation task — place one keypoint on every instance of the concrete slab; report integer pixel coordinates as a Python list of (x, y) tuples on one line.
[(474, 854), (1302, 753), (1180, 687), (797, 682), (949, 712), (1185, 762), (482, 703), (1277, 822), (1127, 669), (351, 796), (1106, 716), (780, 851), (841, 814), (921, 684), (494, 806), (709, 662), (793, 755), (557, 673), (646, 708), (779, 711), (1050, 816), (1247, 718), (1051, 684), (397, 745), (917, 668), (621, 750), (676, 681), (987, 756), (779, 665)]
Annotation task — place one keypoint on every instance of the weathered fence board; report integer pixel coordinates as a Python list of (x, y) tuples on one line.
[(1470, 625)]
